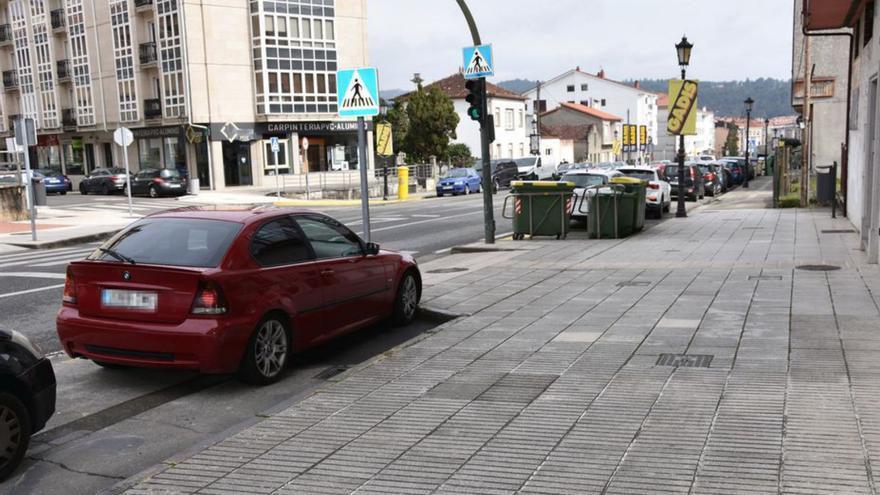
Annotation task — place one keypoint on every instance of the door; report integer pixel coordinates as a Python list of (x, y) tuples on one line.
[(356, 290), (237, 163), (108, 155)]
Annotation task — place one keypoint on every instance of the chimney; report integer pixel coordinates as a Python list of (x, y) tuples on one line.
[(601, 74)]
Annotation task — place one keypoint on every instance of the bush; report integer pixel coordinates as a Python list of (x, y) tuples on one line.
[(791, 200)]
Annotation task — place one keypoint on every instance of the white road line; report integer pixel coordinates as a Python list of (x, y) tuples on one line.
[(38, 258), (61, 276), (430, 220), (30, 253), (426, 216), (58, 262), (42, 262), (30, 291)]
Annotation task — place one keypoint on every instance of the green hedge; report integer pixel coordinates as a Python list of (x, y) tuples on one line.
[(791, 200)]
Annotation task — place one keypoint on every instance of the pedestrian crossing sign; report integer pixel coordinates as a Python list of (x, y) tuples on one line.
[(357, 91), (478, 61)]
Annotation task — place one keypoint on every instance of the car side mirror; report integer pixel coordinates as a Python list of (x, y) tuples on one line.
[(372, 249)]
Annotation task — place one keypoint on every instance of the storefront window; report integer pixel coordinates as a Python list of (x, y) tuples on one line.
[(150, 153), (282, 167), (74, 159), (175, 156), (49, 157)]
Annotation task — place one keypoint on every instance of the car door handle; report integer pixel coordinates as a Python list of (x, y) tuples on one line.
[(327, 272)]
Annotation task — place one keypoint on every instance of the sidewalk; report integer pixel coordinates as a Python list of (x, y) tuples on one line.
[(567, 375), (57, 227)]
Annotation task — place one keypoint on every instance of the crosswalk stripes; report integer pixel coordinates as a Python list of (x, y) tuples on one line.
[(45, 259)]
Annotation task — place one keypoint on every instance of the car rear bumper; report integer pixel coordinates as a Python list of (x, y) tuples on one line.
[(167, 190), (450, 189), (204, 344), (56, 187)]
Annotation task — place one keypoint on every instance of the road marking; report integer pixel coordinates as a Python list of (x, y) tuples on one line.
[(30, 253), (33, 260), (426, 216), (392, 227), (30, 291), (62, 261), (61, 276)]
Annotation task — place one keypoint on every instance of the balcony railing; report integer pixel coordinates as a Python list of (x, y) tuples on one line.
[(153, 109), (148, 53), (57, 19), (63, 70), (12, 119), (5, 33), (143, 3), (10, 79), (68, 117)]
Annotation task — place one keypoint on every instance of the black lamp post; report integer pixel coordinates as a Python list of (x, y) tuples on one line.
[(749, 104), (683, 48)]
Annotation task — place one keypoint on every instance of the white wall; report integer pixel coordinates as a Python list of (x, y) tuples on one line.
[(512, 143), (703, 141)]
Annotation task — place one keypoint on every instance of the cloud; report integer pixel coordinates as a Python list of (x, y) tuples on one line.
[(630, 39)]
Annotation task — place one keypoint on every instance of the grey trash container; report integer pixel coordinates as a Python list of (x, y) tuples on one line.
[(194, 187), (39, 192), (825, 183)]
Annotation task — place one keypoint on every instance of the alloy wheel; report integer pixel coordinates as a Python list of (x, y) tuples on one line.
[(10, 434), (409, 296), (270, 349)]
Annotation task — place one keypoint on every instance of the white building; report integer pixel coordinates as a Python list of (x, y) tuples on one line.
[(702, 143), (633, 104), (509, 109)]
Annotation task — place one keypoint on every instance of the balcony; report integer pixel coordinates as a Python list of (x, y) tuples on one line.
[(63, 67), (143, 5), (12, 119), (148, 54), (152, 109), (68, 118), (58, 20), (5, 34), (10, 79)]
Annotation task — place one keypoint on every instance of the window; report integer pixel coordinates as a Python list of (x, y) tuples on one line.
[(869, 21), (585, 103), (539, 106), (548, 152), (280, 242), (329, 238), (510, 150), (497, 117), (282, 166), (498, 150), (570, 88), (603, 102), (150, 153), (522, 149), (585, 87), (508, 119), (520, 120)]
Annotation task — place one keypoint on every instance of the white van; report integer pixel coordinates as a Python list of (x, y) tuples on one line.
[(535, 168)]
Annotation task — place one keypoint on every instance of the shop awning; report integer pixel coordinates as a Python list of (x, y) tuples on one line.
[(832, 14)]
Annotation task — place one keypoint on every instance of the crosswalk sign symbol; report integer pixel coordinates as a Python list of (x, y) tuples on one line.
[(478, 61), (358, 92)]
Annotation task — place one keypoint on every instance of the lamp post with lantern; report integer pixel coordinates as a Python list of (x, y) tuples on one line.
[(683, 49), (749, 103)]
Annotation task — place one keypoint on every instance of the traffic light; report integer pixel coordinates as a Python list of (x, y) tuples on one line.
[(476, 91)]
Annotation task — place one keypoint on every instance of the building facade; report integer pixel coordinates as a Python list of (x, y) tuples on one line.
[(591, 131), (632, 103), (202, 85)]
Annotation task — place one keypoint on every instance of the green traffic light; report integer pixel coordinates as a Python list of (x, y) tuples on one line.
[(474, 113)]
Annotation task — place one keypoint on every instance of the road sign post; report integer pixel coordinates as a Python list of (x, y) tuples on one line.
[(358, 96), (123, 137), (275, 147), (305, 147), (26, 136), (479, 63)]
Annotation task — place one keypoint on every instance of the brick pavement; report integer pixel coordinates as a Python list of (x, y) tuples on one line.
[(551, 385)]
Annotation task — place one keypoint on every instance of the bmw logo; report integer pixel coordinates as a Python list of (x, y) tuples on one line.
[(126, 276)]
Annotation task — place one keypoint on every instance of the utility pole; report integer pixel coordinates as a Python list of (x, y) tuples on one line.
[(805, 155), (538, 108)]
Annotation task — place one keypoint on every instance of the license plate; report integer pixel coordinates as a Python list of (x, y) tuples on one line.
[(447, 187), (173, 185), (129, 299)]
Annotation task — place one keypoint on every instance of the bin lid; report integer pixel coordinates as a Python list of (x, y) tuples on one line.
[(541, 185), (627, 180)]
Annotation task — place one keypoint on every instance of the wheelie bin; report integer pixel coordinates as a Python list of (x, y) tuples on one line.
[(637, 187), (539, 208)]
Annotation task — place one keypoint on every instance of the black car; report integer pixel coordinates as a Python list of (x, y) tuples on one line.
[(154, 183), (27, 397), (103, 181), (693, 181), (503, 172)]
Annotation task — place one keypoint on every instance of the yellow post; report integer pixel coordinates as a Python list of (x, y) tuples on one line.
[(402, 183)]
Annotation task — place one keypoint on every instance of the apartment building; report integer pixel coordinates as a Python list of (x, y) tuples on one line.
[(202, 85)]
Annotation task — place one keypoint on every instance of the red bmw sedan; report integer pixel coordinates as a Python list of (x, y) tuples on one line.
[(221, 290)]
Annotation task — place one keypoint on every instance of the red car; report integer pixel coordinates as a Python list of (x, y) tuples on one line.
[(220, 290)]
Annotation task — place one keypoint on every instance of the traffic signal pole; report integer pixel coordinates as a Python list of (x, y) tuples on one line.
[(486, 131)]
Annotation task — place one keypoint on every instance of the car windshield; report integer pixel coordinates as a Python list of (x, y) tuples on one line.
[(584, 180), (639, 174), (457, 172), (172, 241), (117, 170), (169, 173), (705, 169), (672, 171)]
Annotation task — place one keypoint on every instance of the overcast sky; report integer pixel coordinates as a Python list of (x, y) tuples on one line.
[(539, 39)]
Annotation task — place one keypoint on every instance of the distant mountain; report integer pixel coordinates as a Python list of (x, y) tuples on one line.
[(725, 98), (390, 94), (518, 85)]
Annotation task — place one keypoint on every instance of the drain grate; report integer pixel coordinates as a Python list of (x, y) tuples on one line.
[(331, 372), (765, 277), (633, 283), (818, 268), (685, 360), (838, 231), (448, 270)]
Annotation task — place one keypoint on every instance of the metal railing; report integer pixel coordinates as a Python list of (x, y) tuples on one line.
[(153, 108), (58, 19), (419, 171), (5, 33), (68, 117), (10, 79), (63, 67), (147, 52)]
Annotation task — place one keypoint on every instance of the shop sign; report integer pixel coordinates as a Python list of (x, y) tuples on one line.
[(682, 119), (156, 132)]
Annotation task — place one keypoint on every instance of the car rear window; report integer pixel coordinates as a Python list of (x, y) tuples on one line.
[(584, 180), (639, 174), (173, 241), (169, 173)]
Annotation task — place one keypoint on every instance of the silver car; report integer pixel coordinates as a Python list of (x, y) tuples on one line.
[(587, 183)]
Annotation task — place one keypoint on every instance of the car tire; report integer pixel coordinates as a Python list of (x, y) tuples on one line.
[(63, 193), (153, 192), (406, 302), (82, 189), (439, 195), (496, 185), (467, 190), (262, 364), (15, 433)]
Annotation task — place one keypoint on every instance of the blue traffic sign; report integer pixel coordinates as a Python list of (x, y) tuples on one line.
[(273, 141), (357, 91), (478, 61)]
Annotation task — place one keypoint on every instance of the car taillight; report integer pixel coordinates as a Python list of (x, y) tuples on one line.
[(209, 300), (654, 186), (69, 296), (159, 180)]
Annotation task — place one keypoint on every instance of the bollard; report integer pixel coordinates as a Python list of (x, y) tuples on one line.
[(402, 183)]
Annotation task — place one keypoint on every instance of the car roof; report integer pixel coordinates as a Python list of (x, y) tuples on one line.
[(245, 214), (637, 168)]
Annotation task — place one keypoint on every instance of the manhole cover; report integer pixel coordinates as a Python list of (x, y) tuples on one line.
[(331, 372), (448, 270), (765, 277), (838, 231), (818, 268), (685, 360), (632, 283)]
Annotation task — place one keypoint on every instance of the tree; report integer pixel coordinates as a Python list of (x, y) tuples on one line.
[(399, 125), (459, 155), (731, 146), (432, 121)]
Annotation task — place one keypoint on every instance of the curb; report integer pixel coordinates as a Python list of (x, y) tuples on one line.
[(343, 202), (100, 236), (480, 249)]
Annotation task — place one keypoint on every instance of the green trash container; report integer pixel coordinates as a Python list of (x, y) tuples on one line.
[(540, 208), (602, 219), (639, 188)]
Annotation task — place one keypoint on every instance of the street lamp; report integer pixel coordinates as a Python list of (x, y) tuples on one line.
[(749, 104), (683, 49)]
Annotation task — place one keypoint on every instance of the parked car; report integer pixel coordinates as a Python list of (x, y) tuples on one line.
[(587, 182), (736, 171), (693, 181), (503, 172), (741, 161), (535, 168), (55, 181), (459, 181), (27, 396), (660, 166), (706, 158), (103, 181), (712, 178), (225, 289), (658, 197), (565, 168), (154, 183)]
